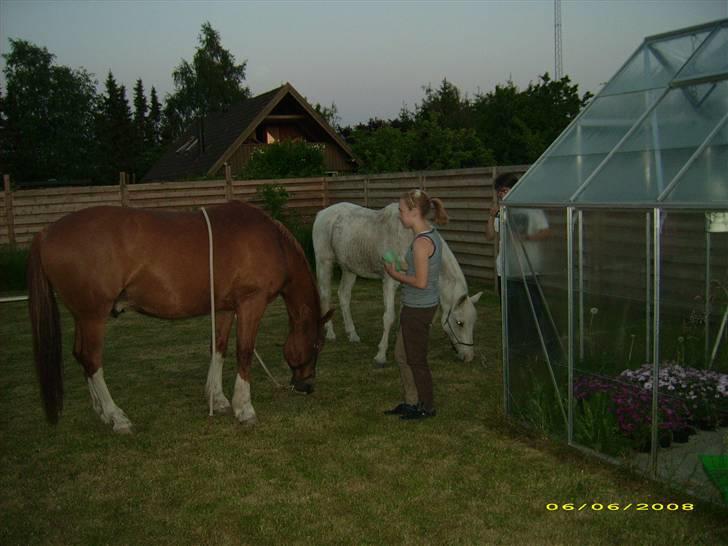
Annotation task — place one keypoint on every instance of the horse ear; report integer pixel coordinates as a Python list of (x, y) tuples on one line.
[(476, 297), (327, 316), (461, 300)]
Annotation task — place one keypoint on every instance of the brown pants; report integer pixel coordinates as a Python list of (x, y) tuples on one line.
[(410, 352)]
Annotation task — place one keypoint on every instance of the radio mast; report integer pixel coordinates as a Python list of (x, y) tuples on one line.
[(558, 63)]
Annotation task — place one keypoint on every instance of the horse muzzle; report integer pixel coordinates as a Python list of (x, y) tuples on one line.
[(465, 353)]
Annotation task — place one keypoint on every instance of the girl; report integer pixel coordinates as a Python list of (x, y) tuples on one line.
[(420, 298)]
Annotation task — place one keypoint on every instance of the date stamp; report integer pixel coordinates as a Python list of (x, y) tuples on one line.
[(620, 507)]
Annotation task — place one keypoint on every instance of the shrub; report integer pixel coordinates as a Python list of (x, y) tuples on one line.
[(273, 198), (287, 159), (12, 269)]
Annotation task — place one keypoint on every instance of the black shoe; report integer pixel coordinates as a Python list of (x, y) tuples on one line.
[(401, 409), (418, 413)]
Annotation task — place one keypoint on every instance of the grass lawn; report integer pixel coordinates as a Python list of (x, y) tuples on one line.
[(324, 469)]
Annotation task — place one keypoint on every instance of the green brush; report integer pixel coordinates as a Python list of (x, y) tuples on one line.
[(716, 467)]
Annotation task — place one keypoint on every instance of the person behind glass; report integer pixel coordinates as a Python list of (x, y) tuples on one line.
[(530, 225), (529, 228), (420, 299)]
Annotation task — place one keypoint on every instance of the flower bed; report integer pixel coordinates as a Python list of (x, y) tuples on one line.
[(703, 392), (631, 404)]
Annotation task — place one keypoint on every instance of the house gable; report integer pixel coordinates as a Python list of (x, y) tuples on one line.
[(231, 136)]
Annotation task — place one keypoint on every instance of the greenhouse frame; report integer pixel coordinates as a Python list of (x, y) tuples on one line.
[(615, 246)]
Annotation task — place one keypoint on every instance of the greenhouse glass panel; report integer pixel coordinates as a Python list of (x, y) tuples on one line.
[(649, 159), (693, 364), (655, 64), (712, 59), (612, 335), (582, 148), (537, 312), (706, 179)]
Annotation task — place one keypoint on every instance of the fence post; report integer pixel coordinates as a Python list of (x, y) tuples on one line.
[(423, 182), (366, 192), (495, 243), (123, 189), (228, 182), (9, 215), (325, 194)]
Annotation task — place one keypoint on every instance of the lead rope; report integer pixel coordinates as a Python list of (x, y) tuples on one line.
[(212, 307), (212, 291)]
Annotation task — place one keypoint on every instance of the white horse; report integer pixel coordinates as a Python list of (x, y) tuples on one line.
[(356, 238)]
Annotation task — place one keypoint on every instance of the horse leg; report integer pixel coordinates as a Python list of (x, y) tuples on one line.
[(213, 387), (347, 283), (249, 314), (389, 287), (87, 349), (324, 269)]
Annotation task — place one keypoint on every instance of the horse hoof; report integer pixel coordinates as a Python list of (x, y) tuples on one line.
[(250, 422), (354, 338), (123, 429), (380, 361), (331, 336), (222, 407)]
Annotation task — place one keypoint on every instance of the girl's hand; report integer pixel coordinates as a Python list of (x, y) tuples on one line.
[(390, 270)]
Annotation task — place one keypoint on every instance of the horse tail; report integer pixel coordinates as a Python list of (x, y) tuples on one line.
[(46, 327)]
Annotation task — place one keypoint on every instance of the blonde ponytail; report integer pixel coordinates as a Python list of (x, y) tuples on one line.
[(441, 217), (420, 200)]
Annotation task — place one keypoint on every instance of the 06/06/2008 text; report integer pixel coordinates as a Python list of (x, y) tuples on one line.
[(617, 507)]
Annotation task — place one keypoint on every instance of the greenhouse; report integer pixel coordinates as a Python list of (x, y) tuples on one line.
[(615, 329)]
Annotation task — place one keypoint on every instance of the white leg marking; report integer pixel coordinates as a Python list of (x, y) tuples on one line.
[(213, 388), (242, 407), (105, 406)]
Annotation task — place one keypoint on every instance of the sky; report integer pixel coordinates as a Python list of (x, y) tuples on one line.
[(370, 58)]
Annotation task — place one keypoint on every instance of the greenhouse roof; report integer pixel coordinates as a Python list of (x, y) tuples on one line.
[(656, 134)]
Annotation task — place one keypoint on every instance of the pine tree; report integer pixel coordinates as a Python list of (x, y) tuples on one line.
[(140, 143), (115, 132), (154, 121)]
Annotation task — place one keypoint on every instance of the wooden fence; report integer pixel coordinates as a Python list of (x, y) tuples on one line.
[(468, 194), (615, 240)]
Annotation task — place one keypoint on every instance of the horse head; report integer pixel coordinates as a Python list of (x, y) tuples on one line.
[(303, 345), (458, 322)]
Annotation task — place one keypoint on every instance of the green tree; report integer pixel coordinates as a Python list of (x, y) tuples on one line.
[(330, 114), (115, 132), (141, 131), (496, 123), (381, 149), (49, 109), (210, 83), (452, 109), (519, 125), (436, 146), (154, 122), (287, 159)]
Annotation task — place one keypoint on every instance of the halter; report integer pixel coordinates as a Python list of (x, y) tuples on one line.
[(447, 321)]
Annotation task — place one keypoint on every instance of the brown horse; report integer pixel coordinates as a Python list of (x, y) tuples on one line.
[(103, 260)]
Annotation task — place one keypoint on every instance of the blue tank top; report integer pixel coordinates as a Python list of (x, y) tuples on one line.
[(430, 295)]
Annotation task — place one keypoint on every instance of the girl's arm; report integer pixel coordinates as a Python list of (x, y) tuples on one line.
[(422, 250)]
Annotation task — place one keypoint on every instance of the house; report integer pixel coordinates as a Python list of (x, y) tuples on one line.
[(233, 136)]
